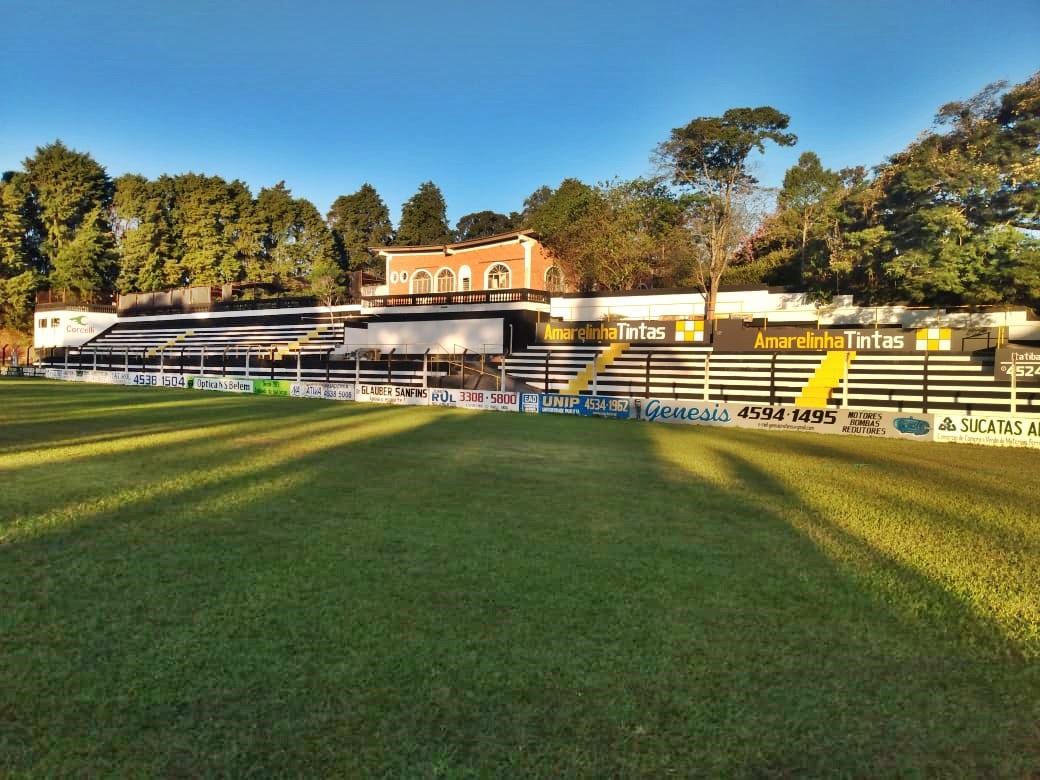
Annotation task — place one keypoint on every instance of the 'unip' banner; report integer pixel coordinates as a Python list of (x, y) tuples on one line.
[(585, 405)]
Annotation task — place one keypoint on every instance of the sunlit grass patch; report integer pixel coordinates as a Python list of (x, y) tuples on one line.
[(203, 585)]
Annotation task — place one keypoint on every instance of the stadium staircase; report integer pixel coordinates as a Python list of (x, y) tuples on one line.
[(170, 343), (582, 379), (825, 379)]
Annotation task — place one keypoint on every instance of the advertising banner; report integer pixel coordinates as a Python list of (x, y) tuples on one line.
[(592, 332), (1024, 360), (223, 384), (994, 429), (529, 403), (392, 394), (329, 392), (585, 405), (272, 387), (733, 336), (492, 400), (153, 380), (855, 422)]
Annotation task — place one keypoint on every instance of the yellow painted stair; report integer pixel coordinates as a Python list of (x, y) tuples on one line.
[(825, 379), (171, 343), (604, 359), (294, 346)]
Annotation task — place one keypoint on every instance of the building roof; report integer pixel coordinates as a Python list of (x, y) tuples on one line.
[(498, 238)]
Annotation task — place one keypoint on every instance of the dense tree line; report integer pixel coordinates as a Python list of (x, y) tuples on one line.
[(66, 225), (952, 219)]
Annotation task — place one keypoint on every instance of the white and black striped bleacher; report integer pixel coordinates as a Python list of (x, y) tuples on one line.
[(906, 383)]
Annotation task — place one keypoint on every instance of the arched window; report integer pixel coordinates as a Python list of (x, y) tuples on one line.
[(554, 279), (422, 282), (445, 280), (465, 279), (497, 277)]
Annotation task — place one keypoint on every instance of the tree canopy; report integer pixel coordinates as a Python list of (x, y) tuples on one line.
[(359, 221), (954, 218), (424, 218)]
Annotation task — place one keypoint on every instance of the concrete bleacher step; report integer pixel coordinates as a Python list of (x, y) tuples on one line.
[(295, 346), (827, 376), (584, 377), (170, 343)]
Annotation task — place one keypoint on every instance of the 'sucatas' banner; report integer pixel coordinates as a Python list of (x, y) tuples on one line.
[(999, 430)]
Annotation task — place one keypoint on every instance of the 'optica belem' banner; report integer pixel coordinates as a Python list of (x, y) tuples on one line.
[(993, 429), (491, 400), (859, 422), (223, 384), (585, 405)]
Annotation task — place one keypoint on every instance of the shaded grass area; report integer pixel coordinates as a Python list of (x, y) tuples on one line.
[(199, 585)]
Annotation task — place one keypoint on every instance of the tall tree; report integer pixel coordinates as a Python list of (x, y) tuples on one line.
[(211, 221), (532, 203), (359, 221), (295, 237), (71, 193), (807, 192), (961, 205), (482, 223), (19, 277), (143, 233), (708, 158), (424, 218), (613, 236)]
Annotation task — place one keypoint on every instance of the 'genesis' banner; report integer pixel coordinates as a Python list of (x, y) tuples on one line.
[(630, 331), (732, 336), (857, 422)]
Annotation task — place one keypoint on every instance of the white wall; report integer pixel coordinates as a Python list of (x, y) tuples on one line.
[(73, 328), (780, 307), (477, 335)]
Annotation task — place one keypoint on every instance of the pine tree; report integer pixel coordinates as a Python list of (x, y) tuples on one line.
[(424, 218), (359, 221)]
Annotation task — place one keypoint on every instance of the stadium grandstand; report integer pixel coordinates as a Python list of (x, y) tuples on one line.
[(768, 345)]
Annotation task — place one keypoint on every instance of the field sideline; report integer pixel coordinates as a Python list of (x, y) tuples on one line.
[(197, 585)]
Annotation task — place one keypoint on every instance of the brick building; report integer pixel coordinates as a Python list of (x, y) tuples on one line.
[(515, 260)]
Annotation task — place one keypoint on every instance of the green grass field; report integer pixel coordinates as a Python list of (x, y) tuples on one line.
[(203, 585)]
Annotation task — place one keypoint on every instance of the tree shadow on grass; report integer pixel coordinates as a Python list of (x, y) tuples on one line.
[(483, 595)]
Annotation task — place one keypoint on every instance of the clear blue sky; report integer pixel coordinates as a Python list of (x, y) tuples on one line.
[(488, 100)]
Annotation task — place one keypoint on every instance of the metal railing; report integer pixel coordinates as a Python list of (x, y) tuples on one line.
[(520, 295)]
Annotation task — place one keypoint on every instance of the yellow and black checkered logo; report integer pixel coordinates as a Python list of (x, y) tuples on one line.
[(934, 339), (689, 330)]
